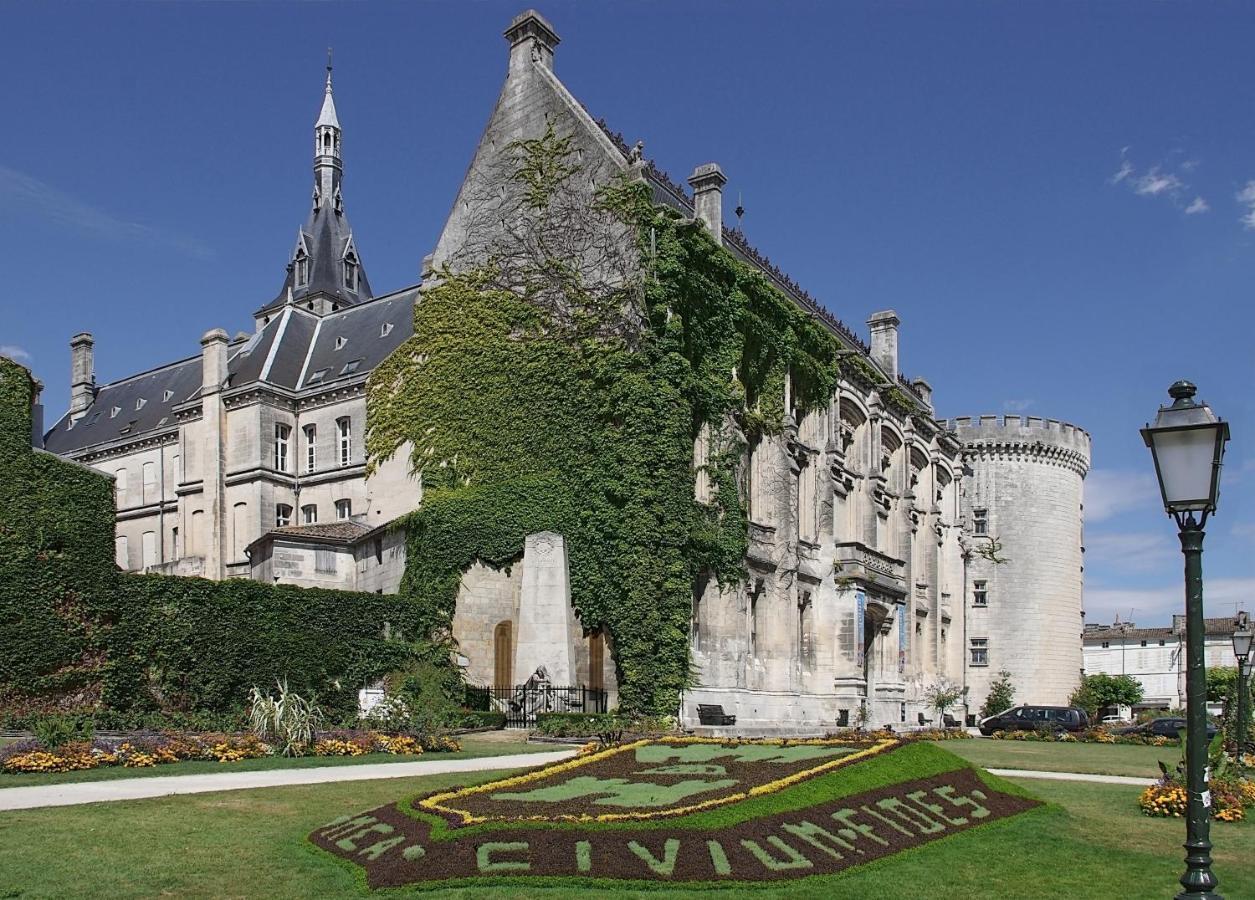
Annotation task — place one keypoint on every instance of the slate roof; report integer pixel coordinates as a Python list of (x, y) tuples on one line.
[(326, 235), (344, 531), (287, 353)]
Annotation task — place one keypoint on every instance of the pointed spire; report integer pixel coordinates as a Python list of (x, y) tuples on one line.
[(328, 114)]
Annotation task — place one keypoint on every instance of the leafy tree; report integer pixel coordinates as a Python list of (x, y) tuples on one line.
[(1221, 682), (944, 694), (1001, 695), (1101, 690)]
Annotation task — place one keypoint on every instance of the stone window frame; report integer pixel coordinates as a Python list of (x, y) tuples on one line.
[(979, 646), (309, 514), (980, 521), (980, 593), (283, 515), (344, 509), (283, 439)]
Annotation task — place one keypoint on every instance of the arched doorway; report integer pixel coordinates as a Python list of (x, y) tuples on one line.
[(503, 655)]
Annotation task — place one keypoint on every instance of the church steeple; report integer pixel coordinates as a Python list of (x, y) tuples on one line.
[(324, 271), (328, 166)]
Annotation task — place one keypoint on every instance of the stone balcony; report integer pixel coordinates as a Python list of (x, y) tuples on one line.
[(873, 569)]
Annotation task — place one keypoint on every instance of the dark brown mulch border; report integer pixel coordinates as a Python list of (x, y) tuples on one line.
[(396, 850)]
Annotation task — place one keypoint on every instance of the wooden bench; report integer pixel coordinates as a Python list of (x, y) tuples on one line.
[(713, 715)]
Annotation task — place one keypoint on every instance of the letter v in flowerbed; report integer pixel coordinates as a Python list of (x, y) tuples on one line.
[(680, 811)]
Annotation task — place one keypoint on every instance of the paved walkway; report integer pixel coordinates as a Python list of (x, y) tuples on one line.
[(71, 794), (1072, 776)]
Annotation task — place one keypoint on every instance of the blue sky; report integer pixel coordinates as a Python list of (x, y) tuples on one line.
[(1058, 199)]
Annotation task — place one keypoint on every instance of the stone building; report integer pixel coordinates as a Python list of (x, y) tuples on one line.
[(857, 590), (259, 431), (1022, 500), (1156, 657)]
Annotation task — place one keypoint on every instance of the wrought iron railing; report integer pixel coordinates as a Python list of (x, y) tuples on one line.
[(522, 702)]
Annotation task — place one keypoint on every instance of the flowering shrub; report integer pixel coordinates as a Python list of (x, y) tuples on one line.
[(1167, 800), (337, 747)]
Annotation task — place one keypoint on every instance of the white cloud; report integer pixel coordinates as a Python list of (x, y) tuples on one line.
[(25, 191), (1109, 492), (1246, 197), (1155, 182), (14, 352), (1155, 606), (1164, 180)]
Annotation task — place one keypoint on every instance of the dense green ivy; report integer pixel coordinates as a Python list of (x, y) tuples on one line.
[(523, 420), (75, 632)]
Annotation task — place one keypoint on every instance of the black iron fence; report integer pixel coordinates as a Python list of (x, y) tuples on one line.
[(522, 702)]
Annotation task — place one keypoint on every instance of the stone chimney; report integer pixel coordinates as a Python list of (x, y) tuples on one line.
[(213, 361), (532, 39), (82, 374), (884, 326), (924, 390), (37, 415), (707, 182)]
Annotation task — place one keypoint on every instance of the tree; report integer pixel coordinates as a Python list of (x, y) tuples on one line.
[(1221, 682), (944, 694), (1001, 695), (1101, 690)]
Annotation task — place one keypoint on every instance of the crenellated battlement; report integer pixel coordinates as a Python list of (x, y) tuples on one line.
[(1050, 439)]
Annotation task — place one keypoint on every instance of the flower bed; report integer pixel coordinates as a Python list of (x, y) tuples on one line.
[(151, 750), (1093, 736), (680, 810)]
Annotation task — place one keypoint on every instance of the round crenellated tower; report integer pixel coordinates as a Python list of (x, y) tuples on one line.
[(1023, 513)]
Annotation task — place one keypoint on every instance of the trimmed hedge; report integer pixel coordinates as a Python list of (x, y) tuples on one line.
[(77, 634)]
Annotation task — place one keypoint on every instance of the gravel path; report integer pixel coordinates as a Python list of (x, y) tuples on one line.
[(1072, 776), (71, 794)]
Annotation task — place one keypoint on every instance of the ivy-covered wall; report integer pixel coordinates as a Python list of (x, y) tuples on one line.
[(78, 633), (529, 412)]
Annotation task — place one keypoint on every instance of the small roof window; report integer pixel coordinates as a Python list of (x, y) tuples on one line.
[(385, 329), (317, 376), (340, 342), (139, 404), (166, 395), (351, 366), (113, 413)]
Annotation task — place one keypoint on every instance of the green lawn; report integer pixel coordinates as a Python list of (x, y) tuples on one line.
[(1093, 843), (472, 747), (1094, 759)]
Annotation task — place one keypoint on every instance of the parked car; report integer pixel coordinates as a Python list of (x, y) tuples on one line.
[(1036, 718), (1115, 720), (1167, 726)]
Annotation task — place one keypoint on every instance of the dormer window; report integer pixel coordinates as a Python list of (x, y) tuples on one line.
[(166, 396), (139, 404), (113, 413), (350, 273), (340, 342), (385, 329), (301, 273)]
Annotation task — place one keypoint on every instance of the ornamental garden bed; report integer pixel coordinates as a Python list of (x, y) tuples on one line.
[(680, 810)]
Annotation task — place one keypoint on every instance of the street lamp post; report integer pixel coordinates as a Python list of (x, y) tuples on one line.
[(1242, 649), (1187, 443)]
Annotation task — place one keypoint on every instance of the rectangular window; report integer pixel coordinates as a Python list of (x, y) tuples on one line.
[(980, 651), (980, 593), (150, 548), (980, 521), (311, 448), (1143, 643), (282, 432), (119, 482), (324, 561), (121, 554), (309, 514), (344, 428), (283, 515), (344, 509), (1106, 644)]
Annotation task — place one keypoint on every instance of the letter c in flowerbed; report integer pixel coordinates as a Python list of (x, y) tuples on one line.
[(680, 810)]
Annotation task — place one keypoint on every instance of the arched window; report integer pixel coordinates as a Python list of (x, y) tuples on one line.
[(503, 655), (350, 273), (302, 269)]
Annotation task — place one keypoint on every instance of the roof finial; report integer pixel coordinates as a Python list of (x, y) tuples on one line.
[(328, 70), (740, 209)]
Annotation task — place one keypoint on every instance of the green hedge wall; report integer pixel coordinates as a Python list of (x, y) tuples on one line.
[(77, 633)]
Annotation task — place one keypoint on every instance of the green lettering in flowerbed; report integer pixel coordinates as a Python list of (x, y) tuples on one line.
[(826, 837)]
